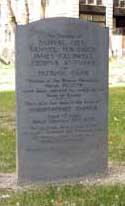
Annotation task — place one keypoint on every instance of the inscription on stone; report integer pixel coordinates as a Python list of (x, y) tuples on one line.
[(61, 99)]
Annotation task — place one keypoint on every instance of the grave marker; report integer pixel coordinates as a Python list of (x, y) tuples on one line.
[(62, 91)]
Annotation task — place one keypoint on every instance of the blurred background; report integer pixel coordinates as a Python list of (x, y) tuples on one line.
[(109, 13)]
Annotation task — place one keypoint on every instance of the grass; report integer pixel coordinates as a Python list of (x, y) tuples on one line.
[(7, 132), (7, 151), (7, 128), (77, 195), (117, 124), (7, 101)]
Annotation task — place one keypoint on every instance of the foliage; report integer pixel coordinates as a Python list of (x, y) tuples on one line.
[(77, 195)]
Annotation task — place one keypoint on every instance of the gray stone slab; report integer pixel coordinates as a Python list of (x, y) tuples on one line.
[(62, 92)]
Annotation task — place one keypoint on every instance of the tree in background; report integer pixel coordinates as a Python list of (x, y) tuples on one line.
[(22, 12), (43, 8), (11, 16), (26, 12)]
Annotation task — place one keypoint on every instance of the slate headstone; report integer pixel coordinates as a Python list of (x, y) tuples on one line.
[(62, 94)]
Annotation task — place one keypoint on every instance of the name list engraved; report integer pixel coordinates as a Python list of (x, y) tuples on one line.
[(64, 83)]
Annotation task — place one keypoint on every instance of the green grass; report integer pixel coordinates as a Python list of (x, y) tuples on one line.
[(7, 151), (7, 128), (117, 124), (77, 195), (7, 132), (7, 101)]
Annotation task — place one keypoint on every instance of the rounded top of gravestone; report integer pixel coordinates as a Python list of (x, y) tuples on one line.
[(64, 20)]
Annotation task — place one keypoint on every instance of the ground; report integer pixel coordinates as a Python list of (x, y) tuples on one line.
[(115, 175)]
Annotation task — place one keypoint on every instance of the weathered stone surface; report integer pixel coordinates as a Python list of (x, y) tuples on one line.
[(62, 91)]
